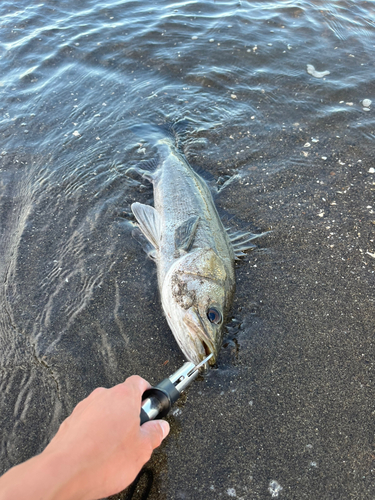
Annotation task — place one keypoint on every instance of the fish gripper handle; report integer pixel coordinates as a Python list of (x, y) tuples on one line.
[(157, 401)]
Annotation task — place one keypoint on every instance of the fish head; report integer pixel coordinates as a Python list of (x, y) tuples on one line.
[(196, 295)]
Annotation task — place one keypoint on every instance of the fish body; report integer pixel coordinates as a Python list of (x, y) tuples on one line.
[(193, 251)]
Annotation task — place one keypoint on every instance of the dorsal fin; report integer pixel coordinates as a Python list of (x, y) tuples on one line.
[(241, 241), (149, 222)]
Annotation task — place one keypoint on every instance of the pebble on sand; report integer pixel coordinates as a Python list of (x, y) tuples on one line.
[(366, 103), (274, 488)]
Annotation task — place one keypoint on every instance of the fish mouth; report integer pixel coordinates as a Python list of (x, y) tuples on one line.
[(200, 337)]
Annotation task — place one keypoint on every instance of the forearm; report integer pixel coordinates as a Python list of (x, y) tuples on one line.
[(43, 477)]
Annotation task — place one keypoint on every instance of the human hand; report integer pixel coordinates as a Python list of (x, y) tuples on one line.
[(97, 451), (102, 442)]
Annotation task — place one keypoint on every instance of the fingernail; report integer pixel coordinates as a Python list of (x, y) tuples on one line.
[(164, 427)]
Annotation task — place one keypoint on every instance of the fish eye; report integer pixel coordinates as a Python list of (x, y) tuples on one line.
[(214, 316)]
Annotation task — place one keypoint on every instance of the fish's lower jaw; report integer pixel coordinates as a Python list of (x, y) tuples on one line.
[(200, 342), (205, 349), (208, 350), (202, 354), (197, 350)]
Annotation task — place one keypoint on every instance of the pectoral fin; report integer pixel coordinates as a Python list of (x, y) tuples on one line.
[(149, 222), (184, 234), (145, 244)]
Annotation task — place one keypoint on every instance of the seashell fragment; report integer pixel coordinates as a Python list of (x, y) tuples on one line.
[(317, 74)]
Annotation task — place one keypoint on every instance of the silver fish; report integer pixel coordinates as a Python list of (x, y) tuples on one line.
[(193, 251)]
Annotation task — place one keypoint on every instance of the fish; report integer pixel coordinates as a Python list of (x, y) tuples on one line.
[(194, 253)]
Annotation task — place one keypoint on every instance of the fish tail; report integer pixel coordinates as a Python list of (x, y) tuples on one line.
[(173, 133), (165, 136)]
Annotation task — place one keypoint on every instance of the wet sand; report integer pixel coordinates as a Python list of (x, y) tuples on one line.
[(289, 409)]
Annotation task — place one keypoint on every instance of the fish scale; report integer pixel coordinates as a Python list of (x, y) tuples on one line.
[(178, 197)]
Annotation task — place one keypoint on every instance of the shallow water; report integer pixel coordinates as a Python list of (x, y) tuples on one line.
[(291, 403)]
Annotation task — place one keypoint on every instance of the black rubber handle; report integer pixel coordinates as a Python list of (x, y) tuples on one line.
[(159, 402), (170, 390), (162, 396)]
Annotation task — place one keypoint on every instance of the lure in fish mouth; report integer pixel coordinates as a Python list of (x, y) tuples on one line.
[(193, 252)]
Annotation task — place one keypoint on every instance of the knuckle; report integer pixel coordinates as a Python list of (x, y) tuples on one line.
[(135, 385), (135, 381)]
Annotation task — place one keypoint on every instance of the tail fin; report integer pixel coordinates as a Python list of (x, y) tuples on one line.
[(175, 132)]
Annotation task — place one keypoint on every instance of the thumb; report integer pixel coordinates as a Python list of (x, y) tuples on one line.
[(155, 431)]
